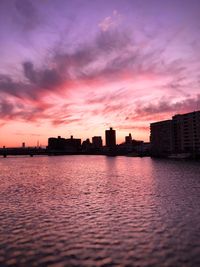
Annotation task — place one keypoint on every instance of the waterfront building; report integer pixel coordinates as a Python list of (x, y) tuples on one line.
[(161, 138), (71, 145), (110, 136), (181, 134), (86, 146), (187, 132), (128, 139), (56, 143), (97, 141)]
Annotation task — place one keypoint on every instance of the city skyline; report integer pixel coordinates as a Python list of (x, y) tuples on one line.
[(92, 139), (77, 68), (176, 137), (109, 138)]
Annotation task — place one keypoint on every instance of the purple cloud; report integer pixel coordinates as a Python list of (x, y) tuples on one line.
[(166, 107)]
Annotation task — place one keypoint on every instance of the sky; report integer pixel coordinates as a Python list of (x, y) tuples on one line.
[(78, 67)]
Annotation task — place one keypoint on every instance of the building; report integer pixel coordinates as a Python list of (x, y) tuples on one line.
[(86, 146), (110, 138), (187, 132), (161, 138), (97, 141), (128, 139), (71, 145), (179, 135), (56, 143)]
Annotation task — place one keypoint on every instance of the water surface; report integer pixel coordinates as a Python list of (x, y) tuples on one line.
[(99, 211)]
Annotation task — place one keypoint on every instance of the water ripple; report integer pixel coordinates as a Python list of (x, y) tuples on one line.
[(98, 211)]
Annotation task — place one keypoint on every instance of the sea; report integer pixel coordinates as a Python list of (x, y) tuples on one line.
[(99, 211)]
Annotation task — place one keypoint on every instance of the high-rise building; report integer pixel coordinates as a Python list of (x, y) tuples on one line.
[(187, 132), (110, 138), (179, 135), (97, 141), (161, 138), (128, 139)]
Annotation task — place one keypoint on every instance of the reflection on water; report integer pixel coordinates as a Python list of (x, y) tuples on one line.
[(99, 211)]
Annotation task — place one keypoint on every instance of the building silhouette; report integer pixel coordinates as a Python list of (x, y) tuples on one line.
[(73, 144), (110, 138), (97, 142), (70, 145), (86, 146), (181, 134), (186, 132), (161, 138), (128, 139), (56, 143)]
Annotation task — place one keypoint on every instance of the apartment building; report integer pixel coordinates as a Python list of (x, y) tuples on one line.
[(181, 134)]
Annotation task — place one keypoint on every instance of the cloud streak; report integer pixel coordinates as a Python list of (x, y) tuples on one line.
[(113, 56), (164, 107)]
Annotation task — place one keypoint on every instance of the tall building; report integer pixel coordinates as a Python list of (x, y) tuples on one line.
[(161, 138), (179, 135), (97, 141), (128, 139), (110, 138), (187, 132)]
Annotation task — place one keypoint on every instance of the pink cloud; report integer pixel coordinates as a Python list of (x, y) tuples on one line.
[(163, 108), (111, 21), (104, 79)]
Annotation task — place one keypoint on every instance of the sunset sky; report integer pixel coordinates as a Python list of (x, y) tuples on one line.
[(81, 66)]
